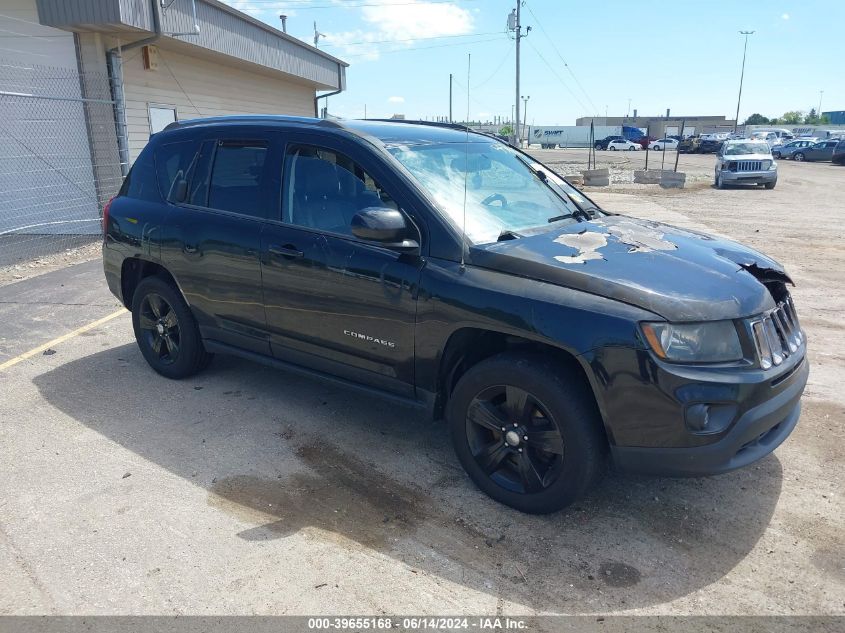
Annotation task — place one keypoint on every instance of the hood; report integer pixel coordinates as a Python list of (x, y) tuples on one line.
[(734, 157), (678, 274)]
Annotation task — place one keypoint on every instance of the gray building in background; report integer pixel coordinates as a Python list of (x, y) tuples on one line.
[(84, 84), (660, 126)]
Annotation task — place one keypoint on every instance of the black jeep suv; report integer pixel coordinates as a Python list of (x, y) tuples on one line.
[(450, 271)]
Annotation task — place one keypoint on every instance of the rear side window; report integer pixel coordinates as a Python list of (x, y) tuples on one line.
[(174, 162), (238, 178)]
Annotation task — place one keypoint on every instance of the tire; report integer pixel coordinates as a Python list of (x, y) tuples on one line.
[(798, 156), (612, 148), (597, 146), (719, 183), (771, 185), (775, 154), (556, 404), (656, 148), (166, 331)]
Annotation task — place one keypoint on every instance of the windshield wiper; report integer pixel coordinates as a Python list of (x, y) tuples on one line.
[(560, 217), (508, 235)]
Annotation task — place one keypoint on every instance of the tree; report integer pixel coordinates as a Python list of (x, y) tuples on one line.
[(812, 118), (506, 130), (757, 119), (793, 117)]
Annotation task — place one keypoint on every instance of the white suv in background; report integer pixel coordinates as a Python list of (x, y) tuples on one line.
[(746, 161)]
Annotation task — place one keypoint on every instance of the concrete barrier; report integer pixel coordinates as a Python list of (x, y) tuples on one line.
[(576, 180), (596, 177), (673, 180), (647, 176)]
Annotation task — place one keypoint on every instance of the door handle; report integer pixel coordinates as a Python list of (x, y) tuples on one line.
[(289, 251)]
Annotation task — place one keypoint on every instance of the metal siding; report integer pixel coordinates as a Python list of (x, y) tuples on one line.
[(201, 88), (62, 13), (226, 33), (220, 31), (137, 14)]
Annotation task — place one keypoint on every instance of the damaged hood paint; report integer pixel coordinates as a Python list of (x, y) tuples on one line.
[(678, 274)]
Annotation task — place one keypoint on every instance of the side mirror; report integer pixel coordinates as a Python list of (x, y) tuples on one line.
[(178, 191), (385, 226)]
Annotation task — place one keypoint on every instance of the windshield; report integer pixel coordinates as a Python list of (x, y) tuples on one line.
[(503, 191), (738, 149)]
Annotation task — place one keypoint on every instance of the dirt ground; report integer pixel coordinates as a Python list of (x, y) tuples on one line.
[(248, 490)]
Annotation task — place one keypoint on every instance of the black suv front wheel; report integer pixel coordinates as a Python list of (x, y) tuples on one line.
[(527, 431), (166, 331)]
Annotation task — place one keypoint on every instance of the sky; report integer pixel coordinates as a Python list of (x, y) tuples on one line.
[(579, 59)]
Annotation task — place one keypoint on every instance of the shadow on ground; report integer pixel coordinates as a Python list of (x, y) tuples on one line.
[(283, 454)]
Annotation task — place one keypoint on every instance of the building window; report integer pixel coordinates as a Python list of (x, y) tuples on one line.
[(161, 116)]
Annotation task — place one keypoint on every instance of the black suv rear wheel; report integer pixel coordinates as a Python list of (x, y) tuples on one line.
[(527, 432), (166, 331)]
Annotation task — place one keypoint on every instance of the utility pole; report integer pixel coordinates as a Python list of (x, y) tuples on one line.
[(741, 75), (819, 111), (525, 116), (628, 113), (450, 97), (515, 25)]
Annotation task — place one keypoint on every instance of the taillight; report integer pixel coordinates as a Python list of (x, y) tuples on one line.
[(106, 209)]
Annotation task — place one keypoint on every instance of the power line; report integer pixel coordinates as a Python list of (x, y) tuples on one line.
[(554, 47), (495, 72), (276, 4), (563, 83), (422, 48), (410, 39)]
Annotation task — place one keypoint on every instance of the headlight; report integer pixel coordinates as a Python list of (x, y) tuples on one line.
[(710, 342), (773, 166)]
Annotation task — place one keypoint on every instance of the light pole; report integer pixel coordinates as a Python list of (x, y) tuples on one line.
[(819, 111), (525, 116), (741, 75)]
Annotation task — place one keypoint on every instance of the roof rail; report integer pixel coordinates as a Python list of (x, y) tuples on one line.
[(253, 118), (451, 126)]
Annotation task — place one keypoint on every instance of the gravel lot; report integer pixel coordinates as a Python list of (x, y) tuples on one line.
[(248, 490)]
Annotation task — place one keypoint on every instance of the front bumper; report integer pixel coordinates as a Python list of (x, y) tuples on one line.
[(759, 430), (749, 176)]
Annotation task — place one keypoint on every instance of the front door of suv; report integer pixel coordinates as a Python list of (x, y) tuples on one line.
[(333, 302)]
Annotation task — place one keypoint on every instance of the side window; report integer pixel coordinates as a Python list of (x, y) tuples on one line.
[(238, 180), (174, 162), (323, 189)]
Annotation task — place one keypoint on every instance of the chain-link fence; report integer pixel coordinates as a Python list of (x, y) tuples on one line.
[(58, 159)]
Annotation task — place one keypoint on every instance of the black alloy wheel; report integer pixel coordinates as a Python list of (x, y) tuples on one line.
[(514, 440), (527, 430), (166, 330), (160, 325)]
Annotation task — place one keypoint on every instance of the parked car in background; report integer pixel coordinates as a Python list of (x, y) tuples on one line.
[(602, 144), (689, 145), (838, 157), (786, 151), (659, 144), (710, 145), (816, 152), (623, 144), (746, 161), (645, 141)]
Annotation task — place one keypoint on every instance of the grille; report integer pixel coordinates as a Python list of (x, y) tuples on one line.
[(778, 334), (746, 165)]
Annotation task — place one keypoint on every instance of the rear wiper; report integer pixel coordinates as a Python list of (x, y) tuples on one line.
[(508, 235)]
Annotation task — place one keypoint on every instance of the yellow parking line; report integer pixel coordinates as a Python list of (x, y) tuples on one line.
[(61, 339)]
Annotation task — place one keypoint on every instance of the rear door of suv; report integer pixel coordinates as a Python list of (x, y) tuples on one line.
[(333, 302), (214, 233)]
